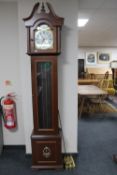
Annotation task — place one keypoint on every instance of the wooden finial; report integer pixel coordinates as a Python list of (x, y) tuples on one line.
[(43, 7)]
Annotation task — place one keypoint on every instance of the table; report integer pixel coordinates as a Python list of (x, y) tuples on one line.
[(89, 90), (88, 81)]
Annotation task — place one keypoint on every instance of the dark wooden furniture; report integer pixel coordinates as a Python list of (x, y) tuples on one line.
[(81, 71), (43, 44)]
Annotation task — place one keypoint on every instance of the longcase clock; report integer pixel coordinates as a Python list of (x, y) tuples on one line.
[(43, 45)]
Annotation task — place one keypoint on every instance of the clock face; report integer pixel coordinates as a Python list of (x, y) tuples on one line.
[(44, 37)]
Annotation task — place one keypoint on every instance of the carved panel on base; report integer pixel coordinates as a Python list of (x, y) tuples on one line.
[(46, 151)]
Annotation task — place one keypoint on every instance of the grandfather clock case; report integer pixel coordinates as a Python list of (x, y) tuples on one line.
[(43, 45)]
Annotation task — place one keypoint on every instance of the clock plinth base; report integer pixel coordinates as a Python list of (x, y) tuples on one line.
[(46, 151)]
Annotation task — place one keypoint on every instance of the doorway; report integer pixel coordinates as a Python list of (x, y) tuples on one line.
[(97, 47)]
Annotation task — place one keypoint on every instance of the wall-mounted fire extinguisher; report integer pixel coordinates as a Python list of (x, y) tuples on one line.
[(9, 111)]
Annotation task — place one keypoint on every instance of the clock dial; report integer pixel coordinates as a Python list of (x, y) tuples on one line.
[(43, 37)]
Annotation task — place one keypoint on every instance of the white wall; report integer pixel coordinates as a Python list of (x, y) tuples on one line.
[(9, 66), (84, 50), (67, 70)]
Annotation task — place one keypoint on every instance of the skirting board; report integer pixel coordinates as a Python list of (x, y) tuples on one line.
[(75, 155)]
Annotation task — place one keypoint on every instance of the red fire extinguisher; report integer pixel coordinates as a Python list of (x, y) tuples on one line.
[(9, 111)]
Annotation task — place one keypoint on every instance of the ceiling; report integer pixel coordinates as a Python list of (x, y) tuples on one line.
[(101, 30)]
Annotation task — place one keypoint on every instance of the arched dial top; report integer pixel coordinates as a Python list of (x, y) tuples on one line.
[(44, 38), (43, 30)]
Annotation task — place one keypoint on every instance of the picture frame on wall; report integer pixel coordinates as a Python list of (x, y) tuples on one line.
[(103, 57), (91, 58)]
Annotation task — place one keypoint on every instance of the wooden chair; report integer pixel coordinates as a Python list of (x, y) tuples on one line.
[(104, 84), (110, 89), (96, 102), (106, 76), (92, 76)]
